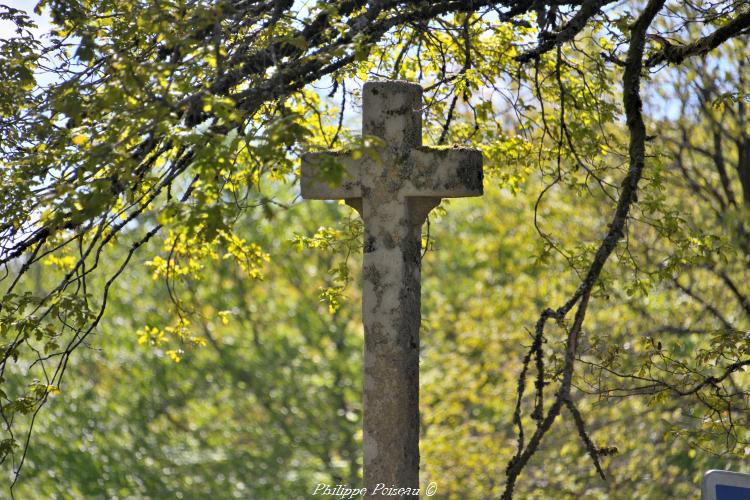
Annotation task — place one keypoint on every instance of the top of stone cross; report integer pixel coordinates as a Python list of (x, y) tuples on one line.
[(398, 86), (392, 111)]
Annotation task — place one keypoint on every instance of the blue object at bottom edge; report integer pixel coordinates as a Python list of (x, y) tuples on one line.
[(724, 492)]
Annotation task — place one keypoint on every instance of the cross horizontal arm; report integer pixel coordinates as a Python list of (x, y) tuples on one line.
[(330, 175), (443, 172)]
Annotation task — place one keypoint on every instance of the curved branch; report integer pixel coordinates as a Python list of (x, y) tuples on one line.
[(672, 54), (548, 41), (637, 153)]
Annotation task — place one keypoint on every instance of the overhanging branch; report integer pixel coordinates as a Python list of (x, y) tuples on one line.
[(676, 54)]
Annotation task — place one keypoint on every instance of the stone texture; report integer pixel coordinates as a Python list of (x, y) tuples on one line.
[(393, 194)]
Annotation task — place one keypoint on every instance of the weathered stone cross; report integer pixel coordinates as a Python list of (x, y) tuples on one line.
[(393, 191)]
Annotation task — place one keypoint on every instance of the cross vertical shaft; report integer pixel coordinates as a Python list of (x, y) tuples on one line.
[(393, 190), (391, 292)]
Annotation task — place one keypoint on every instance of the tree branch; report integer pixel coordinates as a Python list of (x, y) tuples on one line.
[(637, 153), (589, 8), (672, 54)]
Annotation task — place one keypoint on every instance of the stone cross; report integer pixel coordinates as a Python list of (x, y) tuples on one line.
[(393, 190)]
